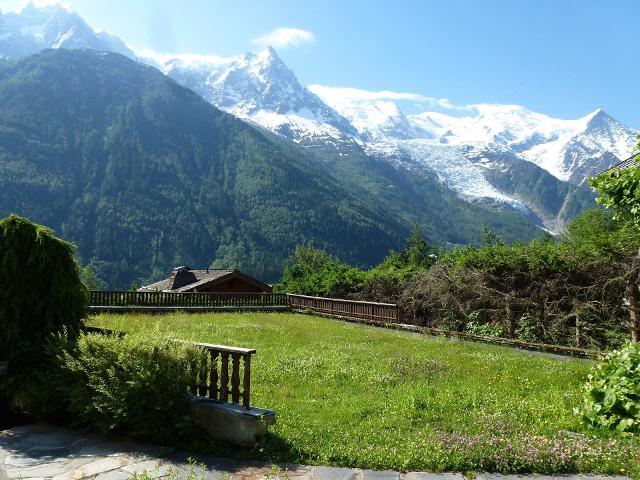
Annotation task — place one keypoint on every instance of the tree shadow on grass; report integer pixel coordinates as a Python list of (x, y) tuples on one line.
[(272, 448)]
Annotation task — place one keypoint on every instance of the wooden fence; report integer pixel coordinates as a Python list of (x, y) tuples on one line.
[(380, 312), (185, 299), (209, 383), (385, 314)]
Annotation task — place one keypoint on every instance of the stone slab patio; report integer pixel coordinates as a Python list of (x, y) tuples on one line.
[(48, 452)]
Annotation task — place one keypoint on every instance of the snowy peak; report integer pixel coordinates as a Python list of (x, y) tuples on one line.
[(467, 148), (568, 149), (487, 124), (374, 116), (608, 133), (271, 85), (378, 120), (255, 86), (602, 142), (35, 28), (50, 8), (261, 88), (245, 83)]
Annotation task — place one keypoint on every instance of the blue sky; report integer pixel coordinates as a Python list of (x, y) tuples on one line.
[(564, 58)]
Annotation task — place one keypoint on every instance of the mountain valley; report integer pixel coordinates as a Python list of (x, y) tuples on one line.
[(120, 156)]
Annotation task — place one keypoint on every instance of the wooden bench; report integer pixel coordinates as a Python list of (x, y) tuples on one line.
[(221, 407), (224, 411)]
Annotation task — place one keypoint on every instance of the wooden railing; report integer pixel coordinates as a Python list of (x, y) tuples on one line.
[(381, 312), (223, 365), (185, 299)]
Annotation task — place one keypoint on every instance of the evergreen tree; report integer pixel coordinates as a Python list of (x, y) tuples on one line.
[(41, 289)]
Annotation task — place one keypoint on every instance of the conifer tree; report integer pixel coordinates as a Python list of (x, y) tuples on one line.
[(41, 291)]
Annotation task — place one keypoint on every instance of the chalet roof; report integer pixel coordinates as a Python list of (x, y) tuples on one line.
[(185, 279), (629, 162)]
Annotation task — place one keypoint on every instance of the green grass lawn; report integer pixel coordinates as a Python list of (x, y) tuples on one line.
[(356, 396)]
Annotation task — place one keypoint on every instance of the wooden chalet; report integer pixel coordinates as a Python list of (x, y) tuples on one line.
[(185, 279)]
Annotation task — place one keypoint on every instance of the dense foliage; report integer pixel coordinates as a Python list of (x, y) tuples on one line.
[(134, 385), (612, 393), (314, 272), (567, 291), (41, 290), (619, 190), (144, 175)]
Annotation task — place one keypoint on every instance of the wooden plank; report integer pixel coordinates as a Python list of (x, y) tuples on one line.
[(227, 349), (203, 377), (193, 388), (185, 299), (246, 382), (151, 309), (345, 308), (339, 299), (235, 378), (224, 378), (213, 375)]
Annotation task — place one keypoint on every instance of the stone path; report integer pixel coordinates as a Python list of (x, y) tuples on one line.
[(44, 451)]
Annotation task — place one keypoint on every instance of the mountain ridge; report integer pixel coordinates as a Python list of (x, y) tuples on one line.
[(260, 88), (499, 165), (143, 174)]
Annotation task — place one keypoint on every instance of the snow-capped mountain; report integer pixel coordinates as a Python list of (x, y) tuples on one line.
[(375, 119), (52, 26), (570, 150), (471, 150), (260, 88), (257, 87)]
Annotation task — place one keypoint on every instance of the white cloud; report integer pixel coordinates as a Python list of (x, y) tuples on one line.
[(164, 60), (330, 94), (284, 37)]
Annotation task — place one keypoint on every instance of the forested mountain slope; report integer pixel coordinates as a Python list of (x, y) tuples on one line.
[(505, 156), (143, 174)]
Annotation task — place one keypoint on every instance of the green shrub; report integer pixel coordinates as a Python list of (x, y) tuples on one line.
[(134, 385), (314, 272), (567, 290), (40, 292), (476, 327), (612, 393)]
